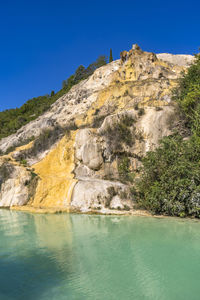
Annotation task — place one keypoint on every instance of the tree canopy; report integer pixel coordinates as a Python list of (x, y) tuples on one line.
[(13, 119), (111, 56), (170, 180)]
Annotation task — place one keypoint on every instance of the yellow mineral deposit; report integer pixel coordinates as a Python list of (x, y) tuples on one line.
[(88, 118), (126, 88), (56, 182)]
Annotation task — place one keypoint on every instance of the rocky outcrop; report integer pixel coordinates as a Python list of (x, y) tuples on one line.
[(66, 111), (14, 184), (100, 195), (84, 144), (177, 59)]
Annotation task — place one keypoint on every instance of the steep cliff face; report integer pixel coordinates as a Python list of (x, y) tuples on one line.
[(84, 144)]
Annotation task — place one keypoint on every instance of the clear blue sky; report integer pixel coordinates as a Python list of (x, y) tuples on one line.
[(42, 42)]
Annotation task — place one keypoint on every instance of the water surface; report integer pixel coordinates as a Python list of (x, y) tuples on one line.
[(98, 257)]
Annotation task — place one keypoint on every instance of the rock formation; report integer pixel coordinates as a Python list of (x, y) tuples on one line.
[(83, 142)]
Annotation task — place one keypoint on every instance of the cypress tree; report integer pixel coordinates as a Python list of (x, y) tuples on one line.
[(111, 56)]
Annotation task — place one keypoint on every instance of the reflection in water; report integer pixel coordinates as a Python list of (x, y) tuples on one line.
[(34, 254), (97, 257)]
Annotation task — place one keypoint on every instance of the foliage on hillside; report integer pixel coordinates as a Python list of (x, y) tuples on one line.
[(13, 119), (83, 73), (170, 181)]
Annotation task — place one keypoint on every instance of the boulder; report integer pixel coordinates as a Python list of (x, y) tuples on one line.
[(92, 154), (14, 190), (96, 194)]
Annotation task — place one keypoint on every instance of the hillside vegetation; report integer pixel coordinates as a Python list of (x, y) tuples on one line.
[(13, 119), (170, 181)]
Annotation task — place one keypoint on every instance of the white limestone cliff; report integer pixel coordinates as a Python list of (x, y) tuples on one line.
[(80, 169)]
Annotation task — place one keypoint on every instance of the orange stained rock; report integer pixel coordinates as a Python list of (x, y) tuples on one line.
[(56, 182)]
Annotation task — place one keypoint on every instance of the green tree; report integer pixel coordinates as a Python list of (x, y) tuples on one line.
[(111, 56), (13, 119), (52, 93), (170, 176)]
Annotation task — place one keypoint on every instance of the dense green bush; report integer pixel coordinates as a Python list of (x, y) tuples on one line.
[(124, 169), (13, 119), (170, 176), (170, 181), (187, 93)]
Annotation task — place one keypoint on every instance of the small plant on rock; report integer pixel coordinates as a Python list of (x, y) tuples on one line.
[(141, 112)]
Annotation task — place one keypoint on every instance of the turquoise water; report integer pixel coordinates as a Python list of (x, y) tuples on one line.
[(98, 257)]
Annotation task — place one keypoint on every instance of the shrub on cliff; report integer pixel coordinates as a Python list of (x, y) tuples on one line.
[(124, 169), (82, 73), (13, 119), (187, 93), (170, 180), (123, 132), (170, 176)]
